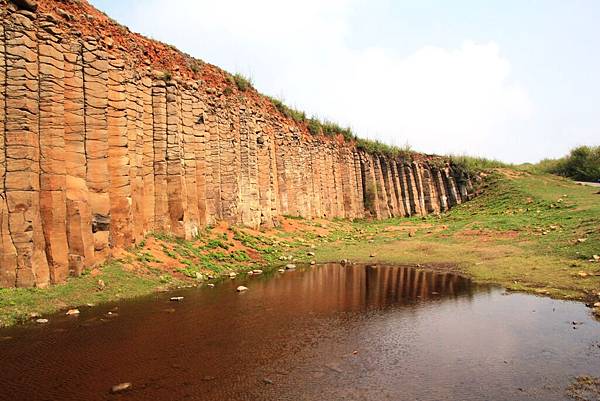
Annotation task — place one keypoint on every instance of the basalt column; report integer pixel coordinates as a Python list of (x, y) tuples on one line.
[(176, 190), (121, 219), (52, 149), (159, 124), (79, 213), (229, 162), (8, 252), (22, 149), (190, 148), (95, 84)]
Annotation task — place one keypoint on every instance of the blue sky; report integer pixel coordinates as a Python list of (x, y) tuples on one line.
[(513, 80)]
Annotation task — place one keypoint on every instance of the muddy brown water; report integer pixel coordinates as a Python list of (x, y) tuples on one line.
[(324, 333)]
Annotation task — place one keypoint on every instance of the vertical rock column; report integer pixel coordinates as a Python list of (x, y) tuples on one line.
[(190, 146), (95, 80), (441, 188), (52, 149), (200, 136), (382, 198), (159, 112), (135, 153), (8, 252), (213, 171), (148, 195), (175, 184), (121, 220), (397, 188), (229, 161), (79, 213), (264, 177), (248, 207), (22, 149), (389, 187)]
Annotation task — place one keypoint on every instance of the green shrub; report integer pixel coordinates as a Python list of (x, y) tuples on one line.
[(582, 164), (242, 82)]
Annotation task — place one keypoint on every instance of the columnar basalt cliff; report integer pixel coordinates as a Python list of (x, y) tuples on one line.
[(107, 136)]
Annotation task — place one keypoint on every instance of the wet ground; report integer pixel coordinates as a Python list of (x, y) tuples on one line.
[(324, 333)]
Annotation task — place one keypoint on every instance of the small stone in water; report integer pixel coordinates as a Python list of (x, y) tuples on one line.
[(211, 285), (312, 262), (120, 387), (281, 270), (41, 321), (176, 299), (290, 266), (72, 312), (257, 271), (241, 288), (232, 275)]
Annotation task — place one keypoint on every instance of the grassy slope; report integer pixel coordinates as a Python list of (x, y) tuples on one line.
[(521, 233)]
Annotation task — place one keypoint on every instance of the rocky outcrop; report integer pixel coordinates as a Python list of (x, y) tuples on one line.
[(100, 144)]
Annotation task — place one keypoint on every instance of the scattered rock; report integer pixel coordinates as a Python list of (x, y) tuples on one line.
[(581, 240), (281, 270), (41, 321), (210, 285), (290, 266), (310, 253), (118, 388), (176, 299), (257, 271), (267, 381), (283, 258), (596, 257), (344, 261), (72, 312), (582, 274), (34, 315), (101, 285), (232, 275), (312, 262), (372, 255), (241, 288)]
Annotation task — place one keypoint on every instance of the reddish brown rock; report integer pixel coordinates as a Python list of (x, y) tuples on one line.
[(100, 145)]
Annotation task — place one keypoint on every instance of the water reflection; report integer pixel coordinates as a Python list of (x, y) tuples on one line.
[(356, 287), (417, 335)]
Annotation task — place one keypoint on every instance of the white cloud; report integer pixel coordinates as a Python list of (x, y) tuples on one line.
[(438, 100)]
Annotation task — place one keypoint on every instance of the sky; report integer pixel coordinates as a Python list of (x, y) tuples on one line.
[(514, 80)]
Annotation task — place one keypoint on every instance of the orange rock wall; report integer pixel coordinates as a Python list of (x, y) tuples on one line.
[(96, 152)]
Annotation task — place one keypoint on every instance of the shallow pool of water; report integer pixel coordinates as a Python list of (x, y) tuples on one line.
[(330, 332)]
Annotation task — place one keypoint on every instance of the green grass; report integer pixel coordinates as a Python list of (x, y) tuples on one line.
[(16, 304), (522, 232)]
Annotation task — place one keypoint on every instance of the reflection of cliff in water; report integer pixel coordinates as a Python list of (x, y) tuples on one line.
[(354, 287)]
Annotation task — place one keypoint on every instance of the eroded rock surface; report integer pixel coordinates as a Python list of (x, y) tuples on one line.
[(106, 136)]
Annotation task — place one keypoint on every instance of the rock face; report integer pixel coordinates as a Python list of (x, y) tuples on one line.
[(97, 149)]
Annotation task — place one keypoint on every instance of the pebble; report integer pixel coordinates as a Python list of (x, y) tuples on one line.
[(120, 387), (41, 321), (312, 262), (310, 253), (281, 270), (72, 312), (211, 285), (372, 255), (290, 266), (257, 271), (176, 299), (232, 275), (241, 288)]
